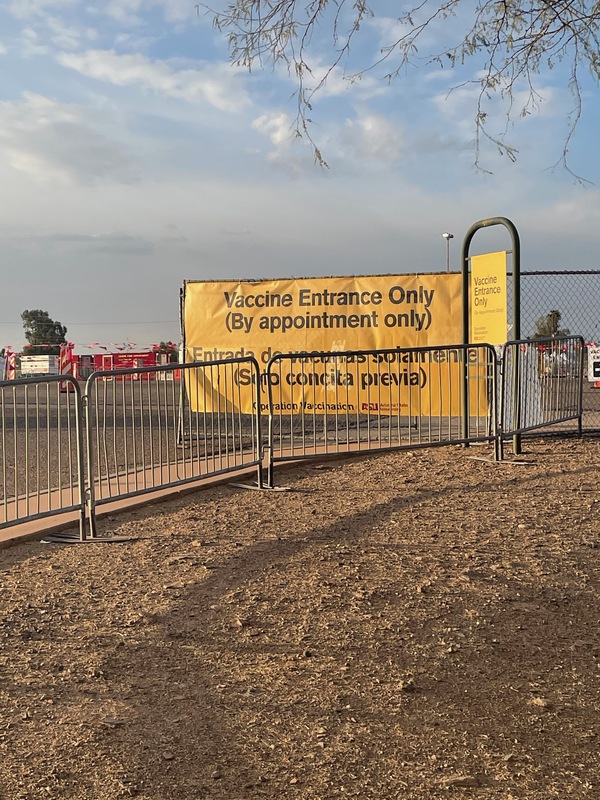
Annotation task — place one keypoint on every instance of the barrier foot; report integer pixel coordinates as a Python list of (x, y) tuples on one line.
[(68, 537), (255, 486), (516, 461)]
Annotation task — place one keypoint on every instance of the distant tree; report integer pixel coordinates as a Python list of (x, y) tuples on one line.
[(170, 348), (44, 335), (549, 326), (2, 352)]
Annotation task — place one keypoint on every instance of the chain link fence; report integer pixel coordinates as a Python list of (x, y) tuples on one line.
[(576, 295)]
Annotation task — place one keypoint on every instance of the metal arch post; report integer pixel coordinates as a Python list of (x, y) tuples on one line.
[(516, 251), (182, 359)]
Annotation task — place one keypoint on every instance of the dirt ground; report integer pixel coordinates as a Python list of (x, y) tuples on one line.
[(411, 625)]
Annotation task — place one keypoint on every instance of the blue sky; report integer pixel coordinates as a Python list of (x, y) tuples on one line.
[(133, 156)]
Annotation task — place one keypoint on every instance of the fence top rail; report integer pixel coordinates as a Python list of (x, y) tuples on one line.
[(41, 379), (558, 272), (553, 340), (173, 367), (331, 355)]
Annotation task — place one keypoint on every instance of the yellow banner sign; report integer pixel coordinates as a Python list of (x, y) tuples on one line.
[(226, 319), (407, 383), (488, 298), (233, 319)]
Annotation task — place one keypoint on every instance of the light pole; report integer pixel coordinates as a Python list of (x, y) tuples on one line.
[(447, 237)]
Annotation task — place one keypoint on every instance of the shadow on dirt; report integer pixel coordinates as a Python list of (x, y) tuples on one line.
[(377, 655)]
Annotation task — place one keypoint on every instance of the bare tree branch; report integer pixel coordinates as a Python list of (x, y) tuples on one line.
[(517, 40)]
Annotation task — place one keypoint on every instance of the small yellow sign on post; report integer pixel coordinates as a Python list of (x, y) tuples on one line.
[(488, 298)]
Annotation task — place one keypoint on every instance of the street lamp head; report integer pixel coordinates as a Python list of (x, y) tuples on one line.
[(448, 236)]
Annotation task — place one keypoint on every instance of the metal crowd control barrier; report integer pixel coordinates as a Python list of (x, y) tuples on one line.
[(332, 403), (541, 384), (156, 427), (41, 449)]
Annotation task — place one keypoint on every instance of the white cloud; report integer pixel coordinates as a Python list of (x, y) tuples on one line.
[(578, 212), (124, 10), (216, 84), (369, 138), (389, 30), (438, 36), (68, 37), (113, 243), (337, 83), (31, 44), (289, 152), (277, 126), (459, 105), (53, 142), (129, 10), (24, 9), (373, 137)]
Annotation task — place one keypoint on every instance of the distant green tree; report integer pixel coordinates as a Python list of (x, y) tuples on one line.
[(549, 326), (3, 352), (44, 335)]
